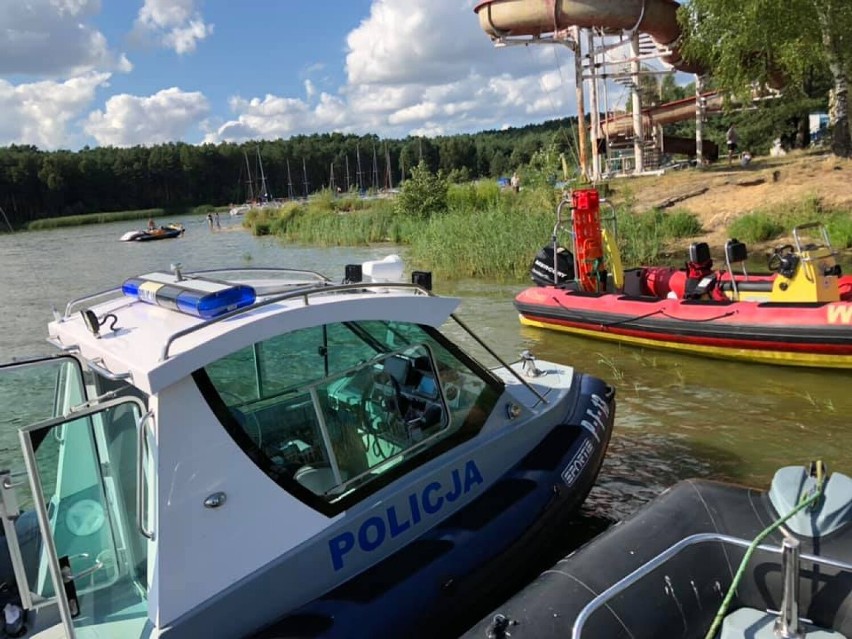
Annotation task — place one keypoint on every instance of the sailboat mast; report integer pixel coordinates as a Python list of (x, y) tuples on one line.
[(388, 171), (305, 174), (264, 192), (348, 186), (358, 164), (249, 184), (291, 195), (375, 169)]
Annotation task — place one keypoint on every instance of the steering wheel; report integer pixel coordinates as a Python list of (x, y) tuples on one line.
[(387, 389), (775, 260)]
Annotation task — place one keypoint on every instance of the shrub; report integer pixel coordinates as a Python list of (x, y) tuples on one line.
[(423, 194), (678, 224)]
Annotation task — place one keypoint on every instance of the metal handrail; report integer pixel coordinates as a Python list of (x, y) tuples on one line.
[(812, 225), (97, 365), (651, 565), (292, 271), (499, 359), (262, 269), (305, 293), (141, 492), (87, 298)]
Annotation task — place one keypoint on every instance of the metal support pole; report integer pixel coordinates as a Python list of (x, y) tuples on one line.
[(593, 108), (787, 625), (699, 121), (581, 101), (638, 134)]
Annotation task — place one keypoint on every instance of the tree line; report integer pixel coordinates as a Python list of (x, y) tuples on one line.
[(38, 184)]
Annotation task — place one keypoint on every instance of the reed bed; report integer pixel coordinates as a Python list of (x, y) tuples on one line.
[(117, 216)]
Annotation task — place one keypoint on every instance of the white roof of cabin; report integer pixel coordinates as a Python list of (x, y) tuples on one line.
[(142, 330)]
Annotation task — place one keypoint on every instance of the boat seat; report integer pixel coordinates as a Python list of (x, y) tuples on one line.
[(748, 286)]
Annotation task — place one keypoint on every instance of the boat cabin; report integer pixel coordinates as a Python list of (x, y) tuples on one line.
[(208, 452)]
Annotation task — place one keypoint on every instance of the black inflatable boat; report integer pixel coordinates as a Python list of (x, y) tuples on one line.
[(666, 571)]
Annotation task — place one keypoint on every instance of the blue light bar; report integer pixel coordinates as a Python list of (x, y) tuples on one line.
[(193, 296)]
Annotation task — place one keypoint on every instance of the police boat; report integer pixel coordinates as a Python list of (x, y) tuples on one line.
[(267, 453)]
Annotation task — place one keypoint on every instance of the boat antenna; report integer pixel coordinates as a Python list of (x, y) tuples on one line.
[(33, 270)]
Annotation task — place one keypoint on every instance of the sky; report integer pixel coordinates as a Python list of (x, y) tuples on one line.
[(127, 72)]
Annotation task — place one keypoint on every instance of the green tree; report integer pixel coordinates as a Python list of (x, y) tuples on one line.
[(423, 194), (780, 43)]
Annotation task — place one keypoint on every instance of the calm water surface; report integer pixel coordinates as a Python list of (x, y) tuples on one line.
[(677, 416)]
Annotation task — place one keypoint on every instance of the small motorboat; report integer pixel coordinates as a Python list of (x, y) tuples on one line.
[(704, 560), (165, 232), (242, 209), (798, 314), (265, 453)]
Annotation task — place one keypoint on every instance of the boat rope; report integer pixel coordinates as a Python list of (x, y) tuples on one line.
[(706, 319), (806, 500), (609, 324), (659, 311)]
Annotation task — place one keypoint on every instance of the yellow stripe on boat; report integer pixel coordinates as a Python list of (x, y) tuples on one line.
[(721, 352)]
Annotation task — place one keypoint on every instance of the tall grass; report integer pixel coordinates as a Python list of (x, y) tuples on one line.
[(770, 223), (642, 237), (496, 243), (485, 231)]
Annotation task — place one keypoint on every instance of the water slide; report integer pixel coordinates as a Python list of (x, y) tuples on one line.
[(657, 18), (663, 114)]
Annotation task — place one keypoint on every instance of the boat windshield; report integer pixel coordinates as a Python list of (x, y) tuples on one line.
[(334, 412)]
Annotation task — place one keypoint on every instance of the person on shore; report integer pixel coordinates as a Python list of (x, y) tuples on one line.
[(731, 140), (515, 182)]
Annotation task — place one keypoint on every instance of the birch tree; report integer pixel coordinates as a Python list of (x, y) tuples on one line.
[(746, 44)]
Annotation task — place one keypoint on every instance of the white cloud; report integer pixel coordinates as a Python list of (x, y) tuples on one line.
[(176, 24), (40, 112), (418, 70), (53, 38), (163, 117)]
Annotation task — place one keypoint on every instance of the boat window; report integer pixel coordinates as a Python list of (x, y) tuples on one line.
[(332, 413)]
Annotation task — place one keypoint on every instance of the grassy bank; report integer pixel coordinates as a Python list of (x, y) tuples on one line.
[(483, 231), (775, 222), (118, 216)]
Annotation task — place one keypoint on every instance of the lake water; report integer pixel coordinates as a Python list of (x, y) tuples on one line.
[(677, 416)]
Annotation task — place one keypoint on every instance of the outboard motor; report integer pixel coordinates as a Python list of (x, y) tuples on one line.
[(544, 266), (701, 281)]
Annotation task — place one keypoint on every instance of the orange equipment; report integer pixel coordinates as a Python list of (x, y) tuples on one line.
[(588, 247)]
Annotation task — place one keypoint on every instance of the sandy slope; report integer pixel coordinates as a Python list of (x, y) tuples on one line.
[(734, 191)]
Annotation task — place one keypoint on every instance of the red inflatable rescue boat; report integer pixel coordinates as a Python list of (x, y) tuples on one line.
[(799, 314)]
